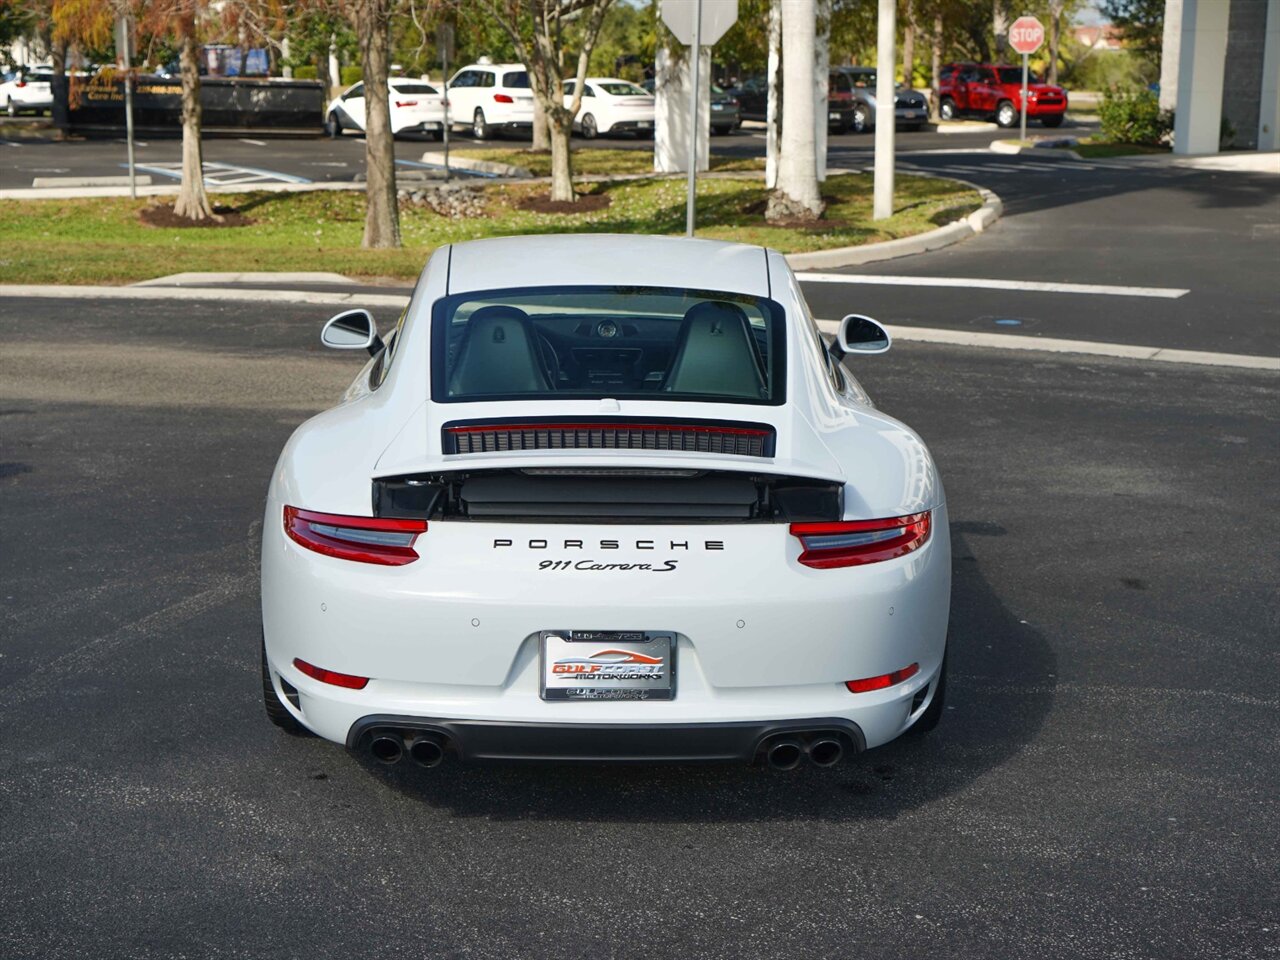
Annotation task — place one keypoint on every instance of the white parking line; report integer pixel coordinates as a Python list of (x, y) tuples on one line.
[(256, 143), (979, 283)]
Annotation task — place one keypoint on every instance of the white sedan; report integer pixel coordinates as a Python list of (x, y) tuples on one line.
[(605, 498), (612, 106), (416, 107)]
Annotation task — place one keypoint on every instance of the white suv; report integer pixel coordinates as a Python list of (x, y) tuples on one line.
[(26, 90), (491, 96)]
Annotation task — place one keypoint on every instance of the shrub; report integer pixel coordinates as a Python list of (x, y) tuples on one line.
[(1134, 116), (308, 72), (350, 75)]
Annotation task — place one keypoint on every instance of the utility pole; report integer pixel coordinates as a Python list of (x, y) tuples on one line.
[(886, 69)]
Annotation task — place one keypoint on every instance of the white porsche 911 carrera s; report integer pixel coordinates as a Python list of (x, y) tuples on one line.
[(605, 498)]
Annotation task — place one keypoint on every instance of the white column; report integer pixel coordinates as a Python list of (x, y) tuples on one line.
[(821, 79), (671, 131), (1169, 54), (284, 55), (1202, 55), (886, 71), (335, 69), (1269, 107)]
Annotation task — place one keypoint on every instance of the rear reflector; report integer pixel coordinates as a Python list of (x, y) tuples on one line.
[(329, 676), (848, 543), (406, 103), (882, 681), (383, 540), (502, 98)]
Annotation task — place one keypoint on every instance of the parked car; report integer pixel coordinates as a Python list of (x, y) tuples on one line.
[(490, 97), (753, 96), (416, 107), (26, 90), (726, 115), (605, 498), (910, 108), (993, 90), (611, 106)]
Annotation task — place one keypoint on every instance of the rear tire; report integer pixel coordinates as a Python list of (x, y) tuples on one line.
[(11, 109), (1052, 121), (332, 126), (861, 121), (589, 129), (947, 109), (277, 712), (1006, 115), (480, 128), (932, 715)]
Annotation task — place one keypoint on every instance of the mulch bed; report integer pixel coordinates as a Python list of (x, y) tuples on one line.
[(586, 203), (163, 216)]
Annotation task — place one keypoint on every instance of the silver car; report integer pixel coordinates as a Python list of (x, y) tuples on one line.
[(911, 110)]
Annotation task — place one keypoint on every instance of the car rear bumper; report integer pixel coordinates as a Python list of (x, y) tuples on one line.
[(481, 740), (638, 123)]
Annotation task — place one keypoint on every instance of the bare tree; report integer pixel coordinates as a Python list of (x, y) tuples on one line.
[(193, 200), (1055, 37), (537, 30), (908, 42), (797, 196)]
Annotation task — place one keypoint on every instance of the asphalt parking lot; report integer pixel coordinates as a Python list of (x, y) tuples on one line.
[(1103, 784)]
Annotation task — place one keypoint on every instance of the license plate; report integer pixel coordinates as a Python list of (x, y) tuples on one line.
[(833, 116), (644, 124), (608, 665)]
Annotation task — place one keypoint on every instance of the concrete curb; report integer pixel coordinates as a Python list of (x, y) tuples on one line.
[(164, 190), (479, 166), (965, 126), (205, 279), (976, 222), (1059, 145)]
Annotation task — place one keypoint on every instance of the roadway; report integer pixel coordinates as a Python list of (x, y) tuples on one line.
[(1102, 785)]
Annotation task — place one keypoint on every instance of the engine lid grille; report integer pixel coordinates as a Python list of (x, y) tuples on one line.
[(697, 436)]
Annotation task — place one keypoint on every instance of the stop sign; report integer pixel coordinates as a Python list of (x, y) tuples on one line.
[(1026, 35)]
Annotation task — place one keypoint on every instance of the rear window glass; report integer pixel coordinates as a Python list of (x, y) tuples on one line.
[(651, 343), (623, 89), (517, 78), (1014, 75), (414, 88)]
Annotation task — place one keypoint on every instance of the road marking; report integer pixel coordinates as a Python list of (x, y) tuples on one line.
[(222, 174), (136, 143), (1123, 351), (256, 143), (919, 334), (978, 283)]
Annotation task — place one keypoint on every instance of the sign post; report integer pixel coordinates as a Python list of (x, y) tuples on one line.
[(695, 22), (444, 43), (124, 54), (1026, 36)]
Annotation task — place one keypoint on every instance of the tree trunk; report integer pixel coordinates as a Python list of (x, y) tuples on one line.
[(1000, 27), (821, 87), (382, 215), (193, 201), (909, 44), (797, 196), (542, 129), (1055, 39), (935, 65), (561, 170), (773, 105)]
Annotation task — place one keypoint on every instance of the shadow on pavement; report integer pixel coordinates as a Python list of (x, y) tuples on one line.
[(989, 719)]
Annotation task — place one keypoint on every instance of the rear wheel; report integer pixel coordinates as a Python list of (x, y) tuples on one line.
[(1006, 115), (277, 712), (932, 715), (332, 126), (11, 108), (480, 128), (589, 129), (947, 109), (861, 122), (1052, 121)]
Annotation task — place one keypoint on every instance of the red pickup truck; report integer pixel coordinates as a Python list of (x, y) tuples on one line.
[(987, 89)]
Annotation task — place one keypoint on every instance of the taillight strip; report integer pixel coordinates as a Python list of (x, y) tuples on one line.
[(347, 680), (387, 541), (849, 543), (884, 680)]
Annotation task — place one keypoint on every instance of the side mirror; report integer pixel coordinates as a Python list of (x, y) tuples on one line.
[(352, 330), (859, 334)]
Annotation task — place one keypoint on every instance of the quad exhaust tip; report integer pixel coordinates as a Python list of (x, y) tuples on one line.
[(427, 751), (823, 750), (391, 746), (387, 747)]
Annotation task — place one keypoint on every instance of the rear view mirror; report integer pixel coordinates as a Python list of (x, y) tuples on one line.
[(859, 334), (352, 330)]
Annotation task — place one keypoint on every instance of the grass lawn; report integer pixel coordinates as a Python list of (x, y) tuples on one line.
[(102, 240), (1101, 150), (602, 161)]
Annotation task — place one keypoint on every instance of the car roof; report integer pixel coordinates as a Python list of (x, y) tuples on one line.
[(608, 259)]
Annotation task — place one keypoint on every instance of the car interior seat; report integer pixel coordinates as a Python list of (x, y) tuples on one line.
[(715, 353), (498, 354)]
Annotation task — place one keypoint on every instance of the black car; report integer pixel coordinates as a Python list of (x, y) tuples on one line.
[(725, 115), (753, 96)]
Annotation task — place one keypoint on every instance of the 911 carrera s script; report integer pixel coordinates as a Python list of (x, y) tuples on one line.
[(665, 567)]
